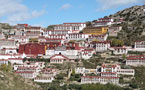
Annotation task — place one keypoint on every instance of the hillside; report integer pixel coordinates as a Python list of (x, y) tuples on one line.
[(131, 14), (133, 25), (11, 81)]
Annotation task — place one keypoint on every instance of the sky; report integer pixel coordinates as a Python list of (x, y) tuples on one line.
[(50, 12)]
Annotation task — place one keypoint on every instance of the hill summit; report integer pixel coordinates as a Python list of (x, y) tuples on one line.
[(133, 26)]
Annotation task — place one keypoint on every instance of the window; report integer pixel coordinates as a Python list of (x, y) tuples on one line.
[(10, 52)]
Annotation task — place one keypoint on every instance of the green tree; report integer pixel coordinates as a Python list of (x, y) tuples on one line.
[(5, 67), (60, 76), (117, 43), (51, 27), (89, 24), (123, 56), (133, 85), (114, 42)]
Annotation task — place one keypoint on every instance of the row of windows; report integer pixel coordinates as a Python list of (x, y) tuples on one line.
[(56, 61), (75, 37), (76, 24), (125, 71), (27, 75), (121, 50), (100, 80), (140, 46), (141, 61), (53, 32), (43, 79), (53, 40), (66, 28), (59, 32)]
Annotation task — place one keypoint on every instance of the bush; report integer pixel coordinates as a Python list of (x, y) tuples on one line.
[(117, 43), (74, 87), (5, 67), (75, 77), (60, 76), (36, 59), (133, 85)]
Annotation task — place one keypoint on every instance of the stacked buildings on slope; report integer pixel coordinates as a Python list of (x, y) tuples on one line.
[(36, 71), (107, 73), (67, 42)]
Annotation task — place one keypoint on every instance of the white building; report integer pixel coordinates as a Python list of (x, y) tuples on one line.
[(99, 79), (144, 9), (83, 70), (9, 50), (2, 36), (126, 71), (72, 54), (58, 59), (77, 36), (32, 31), (7, 56), (135, 61), (56, 32), (16, 60), (44, 79), (41, 65), (113, 30), (100, 46), (29, 70), (41, 39), (72, 27), (103, 22), (48, 72), (19, 39), (55, 40), (59, 36), (3, 61), (27, 74), (28, 64), (119, 50), (108, 74), (109, 67), (139, 46), (80, 70), (87, 53), (98, 37), (29, 31), (6, 43), (114, 68), (75, 26)]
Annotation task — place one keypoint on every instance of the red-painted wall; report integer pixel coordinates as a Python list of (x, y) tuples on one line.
[(32, 48)]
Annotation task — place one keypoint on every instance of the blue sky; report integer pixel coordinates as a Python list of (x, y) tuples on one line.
[(49, 12)]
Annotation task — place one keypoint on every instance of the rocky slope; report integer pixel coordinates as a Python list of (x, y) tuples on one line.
[(131, 14), (11, 81), (133, 25)]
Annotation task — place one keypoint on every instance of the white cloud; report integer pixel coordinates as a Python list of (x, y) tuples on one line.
[(15, 11), (108, 4), (66, 6), (24, 16)]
